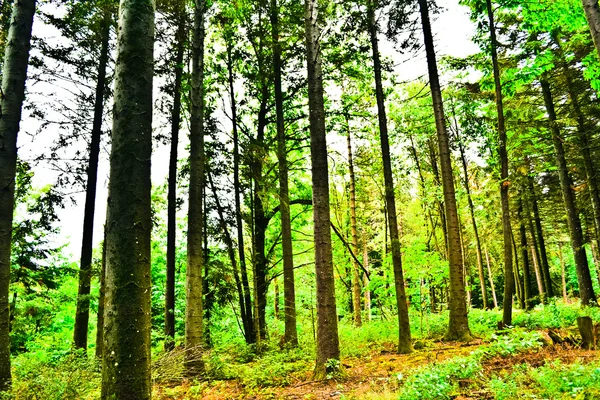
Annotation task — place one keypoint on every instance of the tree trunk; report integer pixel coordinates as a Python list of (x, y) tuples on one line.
[(101, 302), (584, 279), (458, 326), (592, 14), (516, 272), (172, 189), (562, 269), (353, 232), (491, 278), (404, 336), (366, 279), (328, 347), (249, 321), (194, 310), (82, 314), (509, 283), (525, 257), (14, 75), (126, 358), (289, 290), (439, 203), (474, 223)]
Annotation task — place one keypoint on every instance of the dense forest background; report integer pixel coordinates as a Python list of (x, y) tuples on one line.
[(316, 206)]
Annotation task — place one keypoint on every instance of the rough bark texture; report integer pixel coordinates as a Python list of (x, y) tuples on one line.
[(328, 346), (592, 14), (172, 188), (586, 329), (82, 314), (101, 302), (194, 310), (126, 359), (404, 336), (353, 233), (586, 290), (289, 291), (458, 326), (249, 321), (509, 282), (14, 75)]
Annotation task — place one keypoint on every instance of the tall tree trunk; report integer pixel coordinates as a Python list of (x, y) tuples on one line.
[(509, 283), (439, 203), (538, 275), (366, 278), (562, 269), (328, 346), (538, 236), (525, 257), (126, 358), (249, 322), (491, 278), (404, 336), (592, 14), (353, 232), (458, 326), (172, 189), (518, 283), (82, 314), (101, 302), (584, 279), (474, 223), (289, 290), (194, 310)]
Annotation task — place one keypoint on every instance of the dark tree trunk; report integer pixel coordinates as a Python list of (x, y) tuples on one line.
[(172, 189), (289, 290), (516, 273), (438, 202), (525, 257), (101, 302), (249, 321), (509, 283), (126, 358), (194, 310), (328, 346), (14, 75), (458, 326), (404, 336), (584, 279), (592, 14), (82, 314)]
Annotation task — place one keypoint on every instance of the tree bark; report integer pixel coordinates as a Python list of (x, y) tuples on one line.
[(126, 358), (328, 347), (525, 257), (509, 283), (563, 272), (14, 75), (289, 290), (404, 335), (458, 326), (592, 14), (584, 279), (491, 278), (366, 279), (194, 310), (172, 185), (101, 302)]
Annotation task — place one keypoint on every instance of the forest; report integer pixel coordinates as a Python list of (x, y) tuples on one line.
[(268, 206)]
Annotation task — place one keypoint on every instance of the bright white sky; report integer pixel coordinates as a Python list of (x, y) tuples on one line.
[(452, 30)]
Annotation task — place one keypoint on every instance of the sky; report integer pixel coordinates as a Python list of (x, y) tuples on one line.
[(452, 29)]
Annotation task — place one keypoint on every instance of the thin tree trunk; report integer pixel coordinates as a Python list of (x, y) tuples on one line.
[(562, 269), (439, 203), (458, 326), (366, 278), (524, 255), (172, 189), (538, 277), (509, 283), (194, 310), (249, 321), (404, 336), (353, 232), (126, 358), (491, 278), (584, 279), (518, 283), (101, 302), (289, 290), (328, 347), (82, 314), (592, 14), (474, 223)]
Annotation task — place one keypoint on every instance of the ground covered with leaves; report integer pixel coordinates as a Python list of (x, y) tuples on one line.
[(538, 358)]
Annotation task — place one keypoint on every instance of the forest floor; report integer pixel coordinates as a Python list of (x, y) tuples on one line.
[(382, 373)]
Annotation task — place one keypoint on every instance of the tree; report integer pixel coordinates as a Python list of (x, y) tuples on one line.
[(194, 287), (328, 347), (458, 325), (126, 358), (592, 14), (14, 75)]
